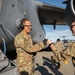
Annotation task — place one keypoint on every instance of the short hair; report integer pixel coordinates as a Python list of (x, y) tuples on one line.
[(58, 39), (24, 20)]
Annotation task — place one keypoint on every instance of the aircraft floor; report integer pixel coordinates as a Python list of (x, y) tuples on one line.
[(44, 66)]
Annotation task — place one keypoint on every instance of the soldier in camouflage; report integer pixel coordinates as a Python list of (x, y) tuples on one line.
[(60, 47), (72, 46), (70, 51), (25, 48)]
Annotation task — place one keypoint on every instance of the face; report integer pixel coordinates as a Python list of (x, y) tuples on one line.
[(73, 28), (27, 26)]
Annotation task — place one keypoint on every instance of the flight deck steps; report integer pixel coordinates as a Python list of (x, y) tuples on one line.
[(6, 66), (3, 63), (9, 71), (2, 56)]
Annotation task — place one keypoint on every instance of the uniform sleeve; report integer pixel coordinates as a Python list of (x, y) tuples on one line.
[(23, 44), (63, 47), (56, 45)]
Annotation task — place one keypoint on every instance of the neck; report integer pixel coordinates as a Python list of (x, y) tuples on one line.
[(25, 32)]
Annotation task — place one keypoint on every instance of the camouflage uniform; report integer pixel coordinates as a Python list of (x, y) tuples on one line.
[(71, 49), (60, 47), (25, 48), (70, 52)]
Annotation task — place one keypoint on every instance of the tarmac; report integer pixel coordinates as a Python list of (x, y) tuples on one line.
[(44, 65)]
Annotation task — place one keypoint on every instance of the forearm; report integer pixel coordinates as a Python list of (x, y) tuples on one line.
[(34, 48), (51, 45)]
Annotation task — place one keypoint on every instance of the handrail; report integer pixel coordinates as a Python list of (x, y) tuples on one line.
[(4, 45)]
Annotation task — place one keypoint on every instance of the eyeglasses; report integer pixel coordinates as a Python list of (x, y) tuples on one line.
[(72, 26), (28, 25)]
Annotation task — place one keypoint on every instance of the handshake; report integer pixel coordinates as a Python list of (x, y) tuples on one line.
[(51, 45)]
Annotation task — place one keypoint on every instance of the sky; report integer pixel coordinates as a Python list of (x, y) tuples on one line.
[(60, 31)]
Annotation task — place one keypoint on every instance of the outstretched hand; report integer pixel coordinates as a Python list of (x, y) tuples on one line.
[(49, 42)]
